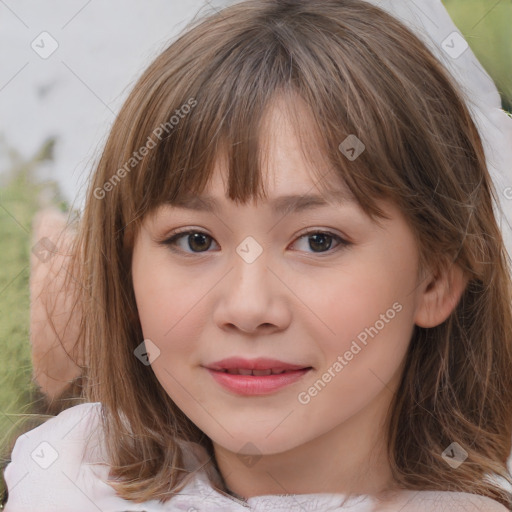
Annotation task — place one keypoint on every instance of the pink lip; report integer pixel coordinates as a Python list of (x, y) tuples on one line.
[(256, 385), (253, 364), (251, 385)]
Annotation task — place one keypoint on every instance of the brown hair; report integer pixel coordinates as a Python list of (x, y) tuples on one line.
[(358, 71)]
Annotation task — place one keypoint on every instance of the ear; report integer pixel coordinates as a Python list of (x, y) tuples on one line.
[(439, 295)]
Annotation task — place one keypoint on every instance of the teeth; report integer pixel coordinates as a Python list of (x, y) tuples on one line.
[(262, 372), (257, 373)]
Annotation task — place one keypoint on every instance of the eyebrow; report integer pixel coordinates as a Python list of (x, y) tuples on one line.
[(295, 202)]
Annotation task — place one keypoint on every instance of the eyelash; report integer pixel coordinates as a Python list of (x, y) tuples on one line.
[(176, 235)]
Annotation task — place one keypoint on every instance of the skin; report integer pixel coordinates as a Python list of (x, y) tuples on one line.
[(53, 369), (294, 303)]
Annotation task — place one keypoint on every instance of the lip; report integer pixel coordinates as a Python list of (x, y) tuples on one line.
[(261, 363), (251, 385)]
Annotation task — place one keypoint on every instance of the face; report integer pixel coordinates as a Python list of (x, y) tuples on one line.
[(323, 288)]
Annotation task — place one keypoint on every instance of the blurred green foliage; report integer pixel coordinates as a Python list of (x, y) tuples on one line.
[(16, 211), (487, 27), (19, 201)]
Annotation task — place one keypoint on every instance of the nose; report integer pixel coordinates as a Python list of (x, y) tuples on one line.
[(252, 299)]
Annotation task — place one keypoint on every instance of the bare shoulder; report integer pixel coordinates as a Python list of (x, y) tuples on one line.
[(439, 501)]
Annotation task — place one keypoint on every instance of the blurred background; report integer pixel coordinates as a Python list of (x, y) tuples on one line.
[(66, 68)]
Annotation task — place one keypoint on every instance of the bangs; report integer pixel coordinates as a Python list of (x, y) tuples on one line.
[(231, 90), (240, 147), (361, 112)]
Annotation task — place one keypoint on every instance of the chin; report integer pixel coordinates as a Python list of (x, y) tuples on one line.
[(258, 443)]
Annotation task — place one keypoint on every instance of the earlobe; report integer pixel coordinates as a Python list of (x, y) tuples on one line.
[(440, 295)]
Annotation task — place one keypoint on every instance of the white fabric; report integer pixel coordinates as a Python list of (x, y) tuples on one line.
[(73, 483), (430, 21), (58, 467)]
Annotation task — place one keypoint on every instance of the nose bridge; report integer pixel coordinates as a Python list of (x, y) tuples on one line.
[(250, 262), (248, 298), (250, 250)]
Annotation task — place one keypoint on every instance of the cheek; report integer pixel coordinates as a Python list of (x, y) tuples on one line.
[(171, 318), (370, 320), (169, 306), (367, 316)]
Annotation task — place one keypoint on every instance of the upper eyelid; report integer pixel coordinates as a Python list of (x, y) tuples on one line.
[(343, 240), (302, 232)]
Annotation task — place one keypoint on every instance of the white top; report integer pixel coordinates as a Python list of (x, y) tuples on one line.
[(52, 469)]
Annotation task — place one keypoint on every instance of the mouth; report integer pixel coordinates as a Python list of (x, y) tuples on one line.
[(258, 373), (260, 367), (256, 377)]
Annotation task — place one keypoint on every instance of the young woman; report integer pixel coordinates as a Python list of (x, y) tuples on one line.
[(294, 291)]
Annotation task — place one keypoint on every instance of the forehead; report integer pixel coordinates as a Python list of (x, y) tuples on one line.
[(288, 167), (296, 176), (299, 193), (295, 172)]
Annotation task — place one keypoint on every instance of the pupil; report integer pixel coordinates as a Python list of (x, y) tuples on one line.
[(323, 237), (197, 237)]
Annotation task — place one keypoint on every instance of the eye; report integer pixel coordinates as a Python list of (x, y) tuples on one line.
[(198, 241), (321, 241), (195, 240)]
